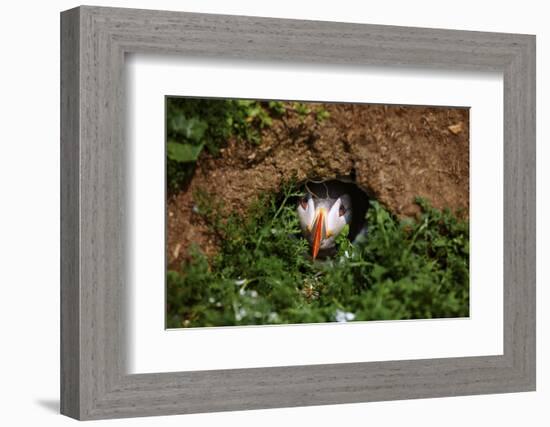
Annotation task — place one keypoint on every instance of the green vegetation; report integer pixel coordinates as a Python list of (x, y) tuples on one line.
[(197, 124), (263, 273)]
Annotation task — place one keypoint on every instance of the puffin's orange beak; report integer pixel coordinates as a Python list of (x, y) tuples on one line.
[(317, 234)]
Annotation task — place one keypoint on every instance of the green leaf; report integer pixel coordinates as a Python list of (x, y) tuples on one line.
[(277, 107), (378, 271), (343, 235), (322, 115), (183, 153), (192, 129), (301, 108)]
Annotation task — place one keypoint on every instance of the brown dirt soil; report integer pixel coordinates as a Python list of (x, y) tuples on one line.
[(395, 153)]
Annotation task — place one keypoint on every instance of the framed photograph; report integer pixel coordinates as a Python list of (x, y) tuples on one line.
[(261, 213)]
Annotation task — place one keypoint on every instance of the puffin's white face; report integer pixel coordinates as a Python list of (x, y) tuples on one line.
[(323, 219)]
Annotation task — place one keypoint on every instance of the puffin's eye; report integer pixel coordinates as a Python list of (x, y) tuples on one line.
[(342, 210), (303, 203)]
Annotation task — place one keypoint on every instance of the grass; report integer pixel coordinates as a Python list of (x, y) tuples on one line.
[(263, 274)]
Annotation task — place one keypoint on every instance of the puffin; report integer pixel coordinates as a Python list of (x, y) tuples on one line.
[(325, 208)]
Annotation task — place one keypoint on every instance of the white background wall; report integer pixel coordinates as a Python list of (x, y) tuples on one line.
[(29, 213)]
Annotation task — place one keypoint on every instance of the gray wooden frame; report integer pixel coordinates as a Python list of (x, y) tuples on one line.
[(94, 41)]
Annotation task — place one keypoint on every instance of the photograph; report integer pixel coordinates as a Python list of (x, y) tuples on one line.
[(327, 214), (293, 212)]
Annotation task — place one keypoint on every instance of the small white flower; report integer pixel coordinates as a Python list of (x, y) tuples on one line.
[(273, 317), (240, 282), (240, 314), (253, 294), (343, 316), (211, 300)]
